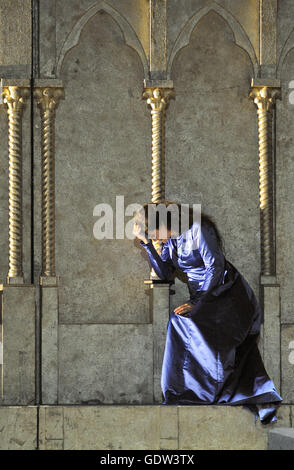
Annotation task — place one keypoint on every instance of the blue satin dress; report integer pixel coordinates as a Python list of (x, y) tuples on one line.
[(211, 355)]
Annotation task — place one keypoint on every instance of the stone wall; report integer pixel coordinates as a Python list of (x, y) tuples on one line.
[(95, 334)]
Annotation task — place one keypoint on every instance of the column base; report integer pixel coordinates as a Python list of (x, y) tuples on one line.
[(48, 280), (15, 280)]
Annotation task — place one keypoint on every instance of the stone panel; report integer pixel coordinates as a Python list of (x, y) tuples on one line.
[(101, 364), (18, 428), (18, 324)]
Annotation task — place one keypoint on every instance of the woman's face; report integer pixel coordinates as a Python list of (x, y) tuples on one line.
[(162, 234)]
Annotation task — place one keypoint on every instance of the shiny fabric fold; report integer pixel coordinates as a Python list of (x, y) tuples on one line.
[(211, 354)]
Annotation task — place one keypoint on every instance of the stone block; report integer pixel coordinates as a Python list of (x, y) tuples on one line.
[(224, 427), (51, 427), (18, 427), (18, 324), (281, 439), (271, 333), (111, 427), (160, 312)]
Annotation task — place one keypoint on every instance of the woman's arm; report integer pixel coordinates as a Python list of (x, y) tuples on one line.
[(162, 264), (212, 256)]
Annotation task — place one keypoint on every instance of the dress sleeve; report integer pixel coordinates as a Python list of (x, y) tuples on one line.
[(162, 264), (212, 256)]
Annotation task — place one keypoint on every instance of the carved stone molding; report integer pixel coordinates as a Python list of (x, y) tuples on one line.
[(130, 36), (241, 38)]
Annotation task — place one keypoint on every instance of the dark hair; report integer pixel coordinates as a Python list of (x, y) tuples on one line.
[(205, 218)]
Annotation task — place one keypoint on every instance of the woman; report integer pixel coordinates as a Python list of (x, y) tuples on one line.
[(211, 353)]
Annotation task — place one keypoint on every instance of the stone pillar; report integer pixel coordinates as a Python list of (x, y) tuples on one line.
[(15, 93), (160, 316), (268, 37), (158, 39), (158, 91), (264, 94), (157, 99), (271, 328), (18, 333), (48, 94), (18, 299), (49, 344)]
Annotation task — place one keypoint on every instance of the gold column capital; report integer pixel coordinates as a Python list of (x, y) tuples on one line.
[(15, 96), (158, 98), (48, 98), (265, 92)]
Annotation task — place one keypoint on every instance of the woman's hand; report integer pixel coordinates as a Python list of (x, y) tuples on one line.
[(183, 309), (139, 233)]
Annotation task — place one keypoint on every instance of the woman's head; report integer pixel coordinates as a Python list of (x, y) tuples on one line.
[(163, 220)]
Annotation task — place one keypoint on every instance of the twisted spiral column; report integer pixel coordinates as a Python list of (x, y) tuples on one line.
[(15, 98), (264, 98), (48, 99), (158, 99)]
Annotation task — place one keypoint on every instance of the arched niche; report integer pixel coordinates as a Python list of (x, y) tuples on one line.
[(239, 35), (104, 151), (128, 32), (212, 143)]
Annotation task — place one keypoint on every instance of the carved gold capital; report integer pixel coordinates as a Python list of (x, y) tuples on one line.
[(265, 97), (48, 98), (158, 98), (15, 98)]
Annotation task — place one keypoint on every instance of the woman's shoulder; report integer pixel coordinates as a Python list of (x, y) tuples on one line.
[(196, 229)]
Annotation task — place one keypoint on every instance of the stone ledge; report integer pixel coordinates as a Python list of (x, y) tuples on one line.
[(120, 427)]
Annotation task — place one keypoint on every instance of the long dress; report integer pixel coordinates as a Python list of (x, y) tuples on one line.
[(211, 355)]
